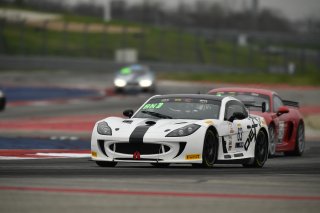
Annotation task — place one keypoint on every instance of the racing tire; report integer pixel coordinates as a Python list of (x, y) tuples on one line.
[(299, 143), (2, 104), (160, 165), (272, 141), (210, 150), (118, 90), (260, 152), (106, 163)]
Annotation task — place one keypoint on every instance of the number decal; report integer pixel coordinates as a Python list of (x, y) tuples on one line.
[(239, 134)]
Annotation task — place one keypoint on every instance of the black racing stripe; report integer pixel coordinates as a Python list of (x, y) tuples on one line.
[(138, 133), (224, 145)]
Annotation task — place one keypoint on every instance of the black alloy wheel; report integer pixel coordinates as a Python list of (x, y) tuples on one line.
[(260, 153)]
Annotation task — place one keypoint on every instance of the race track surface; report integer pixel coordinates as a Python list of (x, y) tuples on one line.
[(45, 164)]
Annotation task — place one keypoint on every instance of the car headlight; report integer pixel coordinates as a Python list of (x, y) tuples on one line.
[(120, 82), (104, 129), (184, 131), (145, 83)]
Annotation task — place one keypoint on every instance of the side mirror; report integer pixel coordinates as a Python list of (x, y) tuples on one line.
[(263, 107), (128, 113), (282, 110), (237, 116)]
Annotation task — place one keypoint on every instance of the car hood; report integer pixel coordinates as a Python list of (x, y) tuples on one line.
[(124, 127)]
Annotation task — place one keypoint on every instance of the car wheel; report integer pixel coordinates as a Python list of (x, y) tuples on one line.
[(2, 104), (210, 150), (160, 165), (260, 152), (300, 142), (272, 141), (106, 163), (118, 90)]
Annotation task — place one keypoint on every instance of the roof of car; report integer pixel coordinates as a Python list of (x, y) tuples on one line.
[(243, 89), (200, 96)]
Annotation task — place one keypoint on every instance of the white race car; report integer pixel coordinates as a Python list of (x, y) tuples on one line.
[(195, 129)]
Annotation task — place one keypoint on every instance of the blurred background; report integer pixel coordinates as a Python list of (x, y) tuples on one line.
[(59, 64), (256, 36), (73, 57)]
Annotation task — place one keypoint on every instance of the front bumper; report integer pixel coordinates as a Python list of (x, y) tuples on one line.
[(186, 149)]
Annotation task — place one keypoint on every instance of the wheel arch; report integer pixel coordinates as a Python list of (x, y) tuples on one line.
[(214, 130)]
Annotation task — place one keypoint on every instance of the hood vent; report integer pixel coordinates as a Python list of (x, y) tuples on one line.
[(150, 123), (127, 121), (181, 122)]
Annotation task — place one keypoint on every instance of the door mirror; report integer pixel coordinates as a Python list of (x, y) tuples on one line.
[(128, 113), (282, 110), (237, 116)]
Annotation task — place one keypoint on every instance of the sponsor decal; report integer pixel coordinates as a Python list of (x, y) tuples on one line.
[(230, 146), (203, 101), (126, 71), (239, 144), (136, 155), (281, 131), (227, 156), (153, 106), (249, 139), (94, 154), (193, 157), (209, 122), (230, 128), (239, 134)]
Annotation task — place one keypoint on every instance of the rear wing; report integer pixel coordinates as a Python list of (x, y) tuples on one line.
[(291, 103), (249, 104)]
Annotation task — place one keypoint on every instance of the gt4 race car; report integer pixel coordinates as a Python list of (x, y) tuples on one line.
[(135, 78), (195, 129), (285, 123)]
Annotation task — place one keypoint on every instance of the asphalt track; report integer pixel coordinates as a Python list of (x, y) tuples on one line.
[(285, 184)]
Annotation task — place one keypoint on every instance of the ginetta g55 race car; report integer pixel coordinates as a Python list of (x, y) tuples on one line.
[(195, 129), (285, 122)]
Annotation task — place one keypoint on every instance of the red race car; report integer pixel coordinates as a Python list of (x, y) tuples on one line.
[(286, 125)]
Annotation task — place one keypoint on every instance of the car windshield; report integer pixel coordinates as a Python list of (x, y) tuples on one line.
[(140, 70), (249, 98), (180, 108)]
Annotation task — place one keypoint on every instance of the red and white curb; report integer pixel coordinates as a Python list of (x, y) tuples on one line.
[(42, 154)]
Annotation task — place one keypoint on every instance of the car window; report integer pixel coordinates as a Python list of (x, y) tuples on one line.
[(248, 98), (232, 107), (277, 102), (180, 108)]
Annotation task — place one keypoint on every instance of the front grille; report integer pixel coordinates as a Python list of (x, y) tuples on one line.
[(133, 84), (142, 148)]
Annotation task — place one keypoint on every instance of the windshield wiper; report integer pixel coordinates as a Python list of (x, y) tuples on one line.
[(155, 114)]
